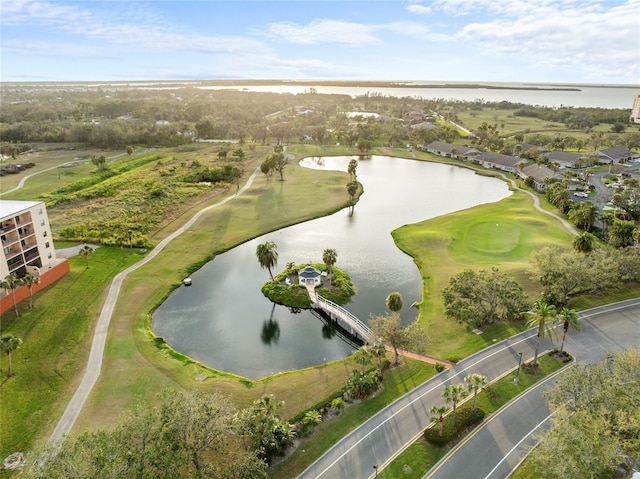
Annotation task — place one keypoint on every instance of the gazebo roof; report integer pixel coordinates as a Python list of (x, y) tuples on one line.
[(309, 272)]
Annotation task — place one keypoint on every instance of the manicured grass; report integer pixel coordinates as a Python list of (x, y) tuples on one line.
[(56, 335), (421, 456), (397, 382), (502, 234)]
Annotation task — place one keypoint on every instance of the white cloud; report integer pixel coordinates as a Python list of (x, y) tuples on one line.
[(131, 26), (322, 31), (419, 9), (587, 37), (60, 49)]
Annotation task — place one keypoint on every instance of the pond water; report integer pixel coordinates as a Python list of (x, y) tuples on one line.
[(225, 322)]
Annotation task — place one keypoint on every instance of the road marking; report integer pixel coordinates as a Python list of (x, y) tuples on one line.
[(530, 334)]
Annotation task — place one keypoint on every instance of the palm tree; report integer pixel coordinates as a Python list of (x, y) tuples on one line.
[(437, 415), (544, 318), (8, 344), (454, 393), (584, 242), (394, 302), (267, 256), (31, 279), (85, 251), (362, 356), (474, 383), (330, 257), (569, 318), (10, 283), (352, 168)]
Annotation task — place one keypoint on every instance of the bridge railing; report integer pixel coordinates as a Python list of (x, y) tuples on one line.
[(330, 305)]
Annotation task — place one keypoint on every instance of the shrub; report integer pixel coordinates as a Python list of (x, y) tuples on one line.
[(465, 416), (439, 367)]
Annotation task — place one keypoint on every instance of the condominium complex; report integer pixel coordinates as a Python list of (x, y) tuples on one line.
[(27, 246), (26, 238), (635, 110)]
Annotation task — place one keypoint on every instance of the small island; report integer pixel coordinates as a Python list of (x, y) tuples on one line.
[(289, 287)]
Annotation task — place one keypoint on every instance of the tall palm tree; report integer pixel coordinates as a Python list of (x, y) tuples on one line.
[(394, 302), (85, 251), (474, 383), (543, 318), (330, 257), (8, 344), (267, 256), (454, 393), (10, 283), (437, 415), (31, 279), (569, 318)]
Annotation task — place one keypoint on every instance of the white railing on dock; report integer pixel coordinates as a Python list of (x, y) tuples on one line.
[(332, 308)]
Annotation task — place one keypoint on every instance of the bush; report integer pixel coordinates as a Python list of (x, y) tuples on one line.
[(465, 417), (439, 367)]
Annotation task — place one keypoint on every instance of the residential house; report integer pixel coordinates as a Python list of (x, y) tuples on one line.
[(449, 150), (497, 161), (563, 158), (616, 154), (541, 174)]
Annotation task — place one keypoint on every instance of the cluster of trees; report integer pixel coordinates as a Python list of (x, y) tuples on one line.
[(276, 161), (564, 273), (453, 394), (480, 298), (579, 118), (187, 434), (12, 282), (595, 431)]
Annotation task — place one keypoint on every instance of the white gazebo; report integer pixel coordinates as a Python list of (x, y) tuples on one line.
[(309, 276)]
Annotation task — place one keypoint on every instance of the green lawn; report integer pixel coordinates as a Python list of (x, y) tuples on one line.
[(502, 234), (56, 337)]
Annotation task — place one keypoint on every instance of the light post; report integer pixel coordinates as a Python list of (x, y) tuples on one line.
[(516, 380), (376, 469)]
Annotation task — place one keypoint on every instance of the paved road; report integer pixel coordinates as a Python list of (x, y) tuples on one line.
[(495, 449), (94, 365), (378, 439)]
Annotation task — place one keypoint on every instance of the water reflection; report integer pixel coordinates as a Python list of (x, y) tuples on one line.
[(224, 321)]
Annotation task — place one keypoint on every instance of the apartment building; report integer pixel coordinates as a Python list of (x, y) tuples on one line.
[(27, 245)]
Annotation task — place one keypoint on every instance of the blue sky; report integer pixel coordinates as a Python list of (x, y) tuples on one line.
[(555, 41)]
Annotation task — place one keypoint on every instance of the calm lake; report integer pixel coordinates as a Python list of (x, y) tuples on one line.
[(225, 322)]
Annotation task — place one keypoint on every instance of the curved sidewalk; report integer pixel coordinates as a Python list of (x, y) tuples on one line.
[(94, 364)]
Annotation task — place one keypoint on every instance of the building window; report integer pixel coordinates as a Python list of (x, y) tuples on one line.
[(40, 211), (49, 256), (46, 245), (44, 235), (42, 223)]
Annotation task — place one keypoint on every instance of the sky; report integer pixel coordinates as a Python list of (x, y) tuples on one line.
[(547, 41)]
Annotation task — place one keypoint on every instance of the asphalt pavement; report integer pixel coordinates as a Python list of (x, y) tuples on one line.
[(604, 329)]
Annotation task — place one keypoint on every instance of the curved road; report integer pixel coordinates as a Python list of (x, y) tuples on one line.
[(496, 448), (377, 441)]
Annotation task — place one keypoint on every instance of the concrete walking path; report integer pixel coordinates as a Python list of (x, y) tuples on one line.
[(94, 364)]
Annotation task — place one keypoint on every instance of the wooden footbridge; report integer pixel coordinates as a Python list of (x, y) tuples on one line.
[(358, 328)]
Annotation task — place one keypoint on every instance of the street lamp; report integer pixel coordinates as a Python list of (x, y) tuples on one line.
[(516, 380), (376, 469)]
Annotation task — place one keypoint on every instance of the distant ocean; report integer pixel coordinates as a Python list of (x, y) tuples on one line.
[(542, 94)]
